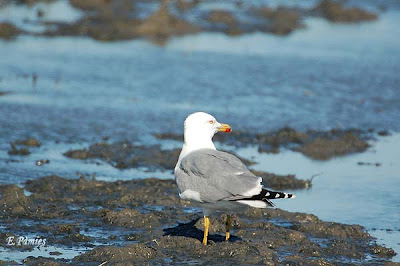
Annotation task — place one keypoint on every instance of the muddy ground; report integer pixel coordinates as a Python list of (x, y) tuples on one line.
[(8, 32), (144, 222), (109, 20), (318, 145), (125, 155)]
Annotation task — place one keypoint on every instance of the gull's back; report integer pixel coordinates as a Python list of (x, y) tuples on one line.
[(215, 176)]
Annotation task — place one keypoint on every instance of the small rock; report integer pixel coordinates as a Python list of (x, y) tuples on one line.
[(31, 142), (8, 31)]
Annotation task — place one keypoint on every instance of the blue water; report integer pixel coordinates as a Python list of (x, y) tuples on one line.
[(321, 77), (344, 191)]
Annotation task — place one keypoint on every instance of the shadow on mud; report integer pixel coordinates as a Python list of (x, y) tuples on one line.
[(189, 230)]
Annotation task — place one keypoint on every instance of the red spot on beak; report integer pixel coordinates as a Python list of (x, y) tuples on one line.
[(224, 128)]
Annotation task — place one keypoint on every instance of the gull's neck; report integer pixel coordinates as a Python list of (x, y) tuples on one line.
[(193, 142)]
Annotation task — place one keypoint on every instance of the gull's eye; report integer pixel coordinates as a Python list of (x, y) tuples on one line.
[(211, 122)]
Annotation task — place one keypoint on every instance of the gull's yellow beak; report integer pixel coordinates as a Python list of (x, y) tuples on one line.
[(225, 128)]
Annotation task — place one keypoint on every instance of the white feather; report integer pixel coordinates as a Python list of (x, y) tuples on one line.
[(254, 203), (190, 195), (254, 191)]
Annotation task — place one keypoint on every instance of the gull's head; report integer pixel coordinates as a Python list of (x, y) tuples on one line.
[(201, 127)]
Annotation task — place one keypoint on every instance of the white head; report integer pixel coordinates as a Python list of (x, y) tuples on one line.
[(200, 128)]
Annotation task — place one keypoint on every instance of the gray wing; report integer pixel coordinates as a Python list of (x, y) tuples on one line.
[(215, 176)]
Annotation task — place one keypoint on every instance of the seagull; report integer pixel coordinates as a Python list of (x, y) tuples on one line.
[(216, 181)]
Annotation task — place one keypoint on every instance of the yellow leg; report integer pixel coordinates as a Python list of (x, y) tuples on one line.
[(228, 225), (206, 226)]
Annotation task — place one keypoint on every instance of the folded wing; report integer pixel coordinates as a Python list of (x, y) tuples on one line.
[(209, 176)]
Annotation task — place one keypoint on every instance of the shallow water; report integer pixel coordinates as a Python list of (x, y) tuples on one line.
[(344, 191), (321, 77)]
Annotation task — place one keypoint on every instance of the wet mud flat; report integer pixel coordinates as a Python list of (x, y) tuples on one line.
[(318, 145), (160, 20), (315, 144), (145, 222)]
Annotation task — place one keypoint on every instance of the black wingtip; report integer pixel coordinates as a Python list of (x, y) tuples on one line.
[(267, 195)]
